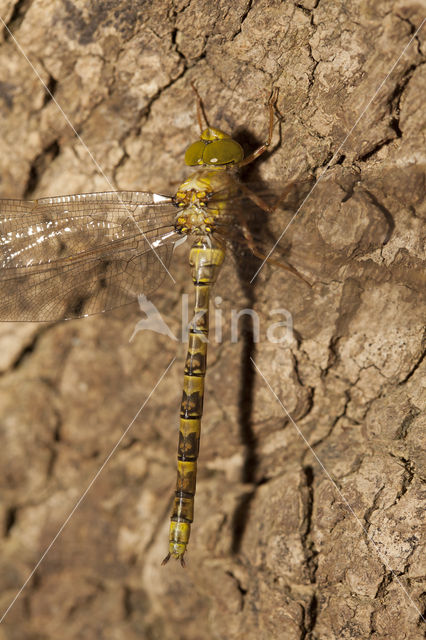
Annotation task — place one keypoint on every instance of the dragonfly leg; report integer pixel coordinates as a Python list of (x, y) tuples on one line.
[(253, 248), (271, 109), (201, 113), (206, 257), (261, 203)]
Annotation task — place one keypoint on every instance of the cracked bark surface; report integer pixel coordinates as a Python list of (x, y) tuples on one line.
[(288, 542)]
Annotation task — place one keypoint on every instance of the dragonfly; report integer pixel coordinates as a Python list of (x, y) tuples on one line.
[(66, 257)]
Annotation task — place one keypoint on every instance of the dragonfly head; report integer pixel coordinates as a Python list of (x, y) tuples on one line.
[(214, 148)]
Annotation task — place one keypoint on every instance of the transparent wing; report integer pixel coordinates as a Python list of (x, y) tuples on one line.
[(71, 256), (263, 213), (315, 231)]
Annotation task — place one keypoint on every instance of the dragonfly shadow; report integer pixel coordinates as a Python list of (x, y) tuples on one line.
[(246, 266)]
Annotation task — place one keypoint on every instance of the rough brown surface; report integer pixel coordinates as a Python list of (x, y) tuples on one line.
[(289, 542)]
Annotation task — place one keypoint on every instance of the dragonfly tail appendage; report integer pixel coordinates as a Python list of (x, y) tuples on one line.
[(206, 258)]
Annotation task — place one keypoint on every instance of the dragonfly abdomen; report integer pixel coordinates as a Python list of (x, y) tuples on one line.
[(206, 257)]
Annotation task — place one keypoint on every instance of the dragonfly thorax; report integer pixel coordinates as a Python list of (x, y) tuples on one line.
[(193, 217), (197, 199)]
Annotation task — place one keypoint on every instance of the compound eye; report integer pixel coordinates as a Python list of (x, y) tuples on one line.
[(225, 151), (194, 153)]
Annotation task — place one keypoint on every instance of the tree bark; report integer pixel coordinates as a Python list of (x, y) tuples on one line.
[(308, 508)]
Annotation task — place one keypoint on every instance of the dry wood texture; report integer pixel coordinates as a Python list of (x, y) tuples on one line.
[(286, 544)]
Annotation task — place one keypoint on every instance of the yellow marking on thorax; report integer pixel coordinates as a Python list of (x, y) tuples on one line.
[(194, 193)]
